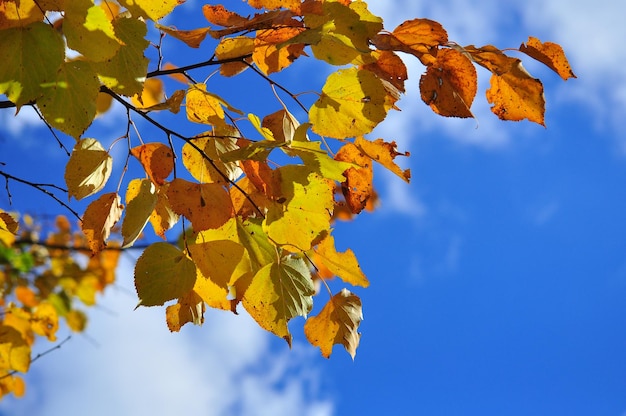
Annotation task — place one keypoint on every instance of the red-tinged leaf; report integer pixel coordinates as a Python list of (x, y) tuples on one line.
[(88, 169), (550, 54), (157, 160), (389, 66), (219, 16), (491, 58), (358, 187), (163, 273), (449, 84), (516, 96), (99, 218), (337, 323)]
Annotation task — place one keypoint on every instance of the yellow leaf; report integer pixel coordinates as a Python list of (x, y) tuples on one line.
[(383, 153), (204, 107), (141, 199), (352, 103), (221, 261), (516, 96), (211, 146), (190, 308), (205, 205), (8, 228), (449, 84), (19, 13), (14, 350), (45, 321), (151, 94), (163, 273), (126, 71), (233, 48), (337, 323), (89, 30), (550, 54), (151, 9), (69, 102), (275, 4), (163, 217), (279, 292), (31, 57), (76, 320), (344, 265), (99, 218), (306, 204), (157, 160), (88, 169)]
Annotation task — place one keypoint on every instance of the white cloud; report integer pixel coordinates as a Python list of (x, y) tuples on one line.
[(229, 366)]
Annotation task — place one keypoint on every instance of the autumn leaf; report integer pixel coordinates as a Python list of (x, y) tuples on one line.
[(141, 199), (352, 103), (358, 187), (238, 49), (337, 323), (163, 217), (269, 55), (189, 308), (89, 30), (153, 10), (550, 54), (8, 228), (389, 67), (449, 84), (205, 205), (202, 156), (151, 94), (163, 273), (279, 292), (383, 153), (45, 321), (516, 96), (99, 218), (157, 160), (219, 16), (14, 351), (204, 107), (88, 169), (419, 37), (32, 56), (19, 14), (343, 265), (193, 38)]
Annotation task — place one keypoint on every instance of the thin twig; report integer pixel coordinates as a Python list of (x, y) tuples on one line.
[(38, 356)]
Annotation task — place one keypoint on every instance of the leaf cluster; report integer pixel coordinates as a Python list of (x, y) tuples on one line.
[(256, 195)]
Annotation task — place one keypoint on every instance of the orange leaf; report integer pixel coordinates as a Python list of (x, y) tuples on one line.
[(337, 323), (99, 218), (232, 48), (219, 16), (206, 205), (190, 308), (550, 54), (516, 95), (491, 58), (276, 4), (157, 160), (193, 38), (343, 265), (151, 94), (358, 187), (268, 56), (449, 84), (419, 37), (175, 75), (389, 67), (383, 153)]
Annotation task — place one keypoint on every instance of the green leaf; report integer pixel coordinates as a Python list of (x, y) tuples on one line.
[(279, 292), (89, 31), (163, 273), (31, 56), (126, 71), (352, 103), (88, 169), (69, 103)]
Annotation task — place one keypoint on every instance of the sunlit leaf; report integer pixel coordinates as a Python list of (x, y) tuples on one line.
[(190, 308), (193, 38), (279, 292), (550, 54), (99, 218), (19, 13), (141, 199), (69, 102), (14, 350), (163, 217), (88, 169), (163, 273), (89, 30), (153, 10), (152, 94), (383, 153), (205, 205), (337, 323), (32, 55), (45, 321), (271, 58), (237, 49), (157, 160), (211, 146), (358, 187), (352, 103), (343, 264)]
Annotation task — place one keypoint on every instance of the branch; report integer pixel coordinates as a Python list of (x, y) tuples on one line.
[(48, 351), (210, 62)]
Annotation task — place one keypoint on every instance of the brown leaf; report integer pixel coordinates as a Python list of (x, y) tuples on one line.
[(99, 218), (389, 67), (449, 84), (358, 187), (550, 54)]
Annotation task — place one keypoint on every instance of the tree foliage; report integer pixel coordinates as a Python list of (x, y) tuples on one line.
[(254, 194)]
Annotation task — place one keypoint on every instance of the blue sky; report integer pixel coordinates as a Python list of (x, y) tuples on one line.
[(498, 276)]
